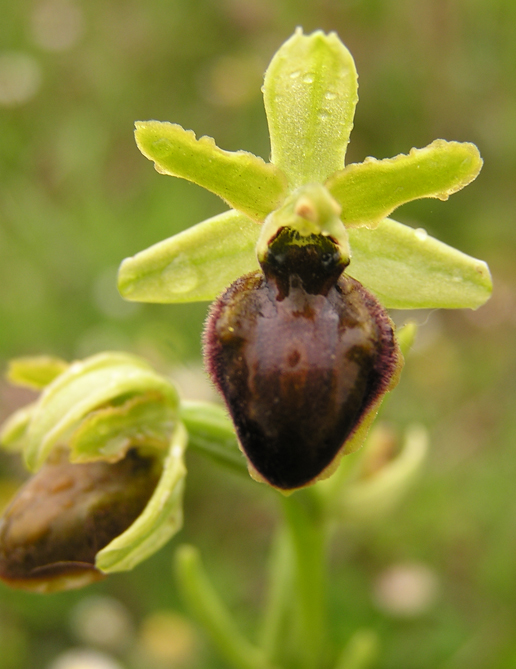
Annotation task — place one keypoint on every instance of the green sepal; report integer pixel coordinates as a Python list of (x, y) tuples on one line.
[(194, 265), (14, 430), (247, 183), (368, 192), (310, 94), (159, 521), (82, 388), (107, 433), (35, 372), (407, 269)]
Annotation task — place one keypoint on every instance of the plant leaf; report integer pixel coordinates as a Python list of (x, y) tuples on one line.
[(159, 521), (195, 265), (310, 94), (368, 192), (408, 269), (243, 180)]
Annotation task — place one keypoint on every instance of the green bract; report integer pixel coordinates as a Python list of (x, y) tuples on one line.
[(310, 93)]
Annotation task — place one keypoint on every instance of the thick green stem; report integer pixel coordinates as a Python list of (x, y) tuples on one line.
[(308, 532)]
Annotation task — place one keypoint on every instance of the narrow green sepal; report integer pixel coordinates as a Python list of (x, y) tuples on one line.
[(247, 183), (194, 265), (35, 372), (368, 192), (82, 388), (160, 520), (310, 94), (407, 269)]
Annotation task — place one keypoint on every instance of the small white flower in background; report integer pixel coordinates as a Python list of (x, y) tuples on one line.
[(84, 659), (406, 590), (102, 621)]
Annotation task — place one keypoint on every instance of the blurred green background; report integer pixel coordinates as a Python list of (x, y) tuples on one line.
[(76, 197)]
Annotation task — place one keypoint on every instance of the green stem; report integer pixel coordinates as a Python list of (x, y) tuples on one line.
[(360, 652), (211, 613), (308, 532), (279, 598), (211, 432)]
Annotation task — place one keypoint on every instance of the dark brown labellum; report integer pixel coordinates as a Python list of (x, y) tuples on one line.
[(300, 353), (59, 520)]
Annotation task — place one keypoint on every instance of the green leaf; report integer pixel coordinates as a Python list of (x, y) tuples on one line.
[(408, 269), (195, 265), (368, 192), (35, 372), (310, 94), (82, 388), (243, 180), (160, 520), (107, 433)]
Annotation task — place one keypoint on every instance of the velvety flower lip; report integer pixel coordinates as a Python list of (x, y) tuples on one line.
[(310, 94)]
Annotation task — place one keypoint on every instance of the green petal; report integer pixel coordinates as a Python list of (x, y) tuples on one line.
[(195, 265), (84, 387), (243, 180), (408, 269), (368, 192), (160, 520), (107, 433), (35, 372), (310, 94)]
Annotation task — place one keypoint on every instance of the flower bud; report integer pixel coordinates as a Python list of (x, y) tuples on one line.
[(302, 353), (66, 513), (107, 446)]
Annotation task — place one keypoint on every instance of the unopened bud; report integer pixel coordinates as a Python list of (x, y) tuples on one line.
[(66, 513)]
